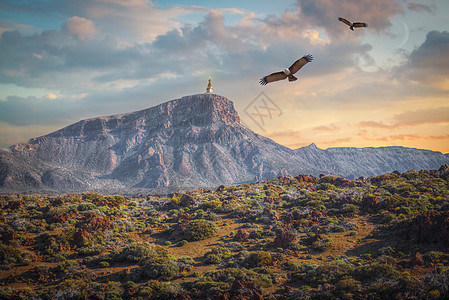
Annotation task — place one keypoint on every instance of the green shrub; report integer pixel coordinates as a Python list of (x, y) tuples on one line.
[(259, 259), (181, 243), (91, 250), (350, 284), (86, 206), (200, 229), (323, 245), (216, 255), (187, 260), (103, 264), (229, 275), (9, 254), (160, 270), (212, 258), (375, 270), (136, 252)]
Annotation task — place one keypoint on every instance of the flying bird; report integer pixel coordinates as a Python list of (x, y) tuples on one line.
[(295, 67), (352, 25)]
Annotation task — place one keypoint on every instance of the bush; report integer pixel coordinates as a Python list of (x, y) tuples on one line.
[(350, 284), (160, 270), (181, 243), (259, 259), (9, 254), (200, 229), (323, 245), (86, 206), (215, 256), (136, 252), (186, 260), (375, 270), (229, 275), (91, 250)]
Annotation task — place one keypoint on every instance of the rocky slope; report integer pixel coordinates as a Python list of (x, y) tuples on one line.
[(194, 141)]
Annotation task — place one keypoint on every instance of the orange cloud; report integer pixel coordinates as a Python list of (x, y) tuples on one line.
[(413, 118)]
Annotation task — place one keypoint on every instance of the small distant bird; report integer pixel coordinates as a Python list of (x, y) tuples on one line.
[(297, 65), (352, 25)]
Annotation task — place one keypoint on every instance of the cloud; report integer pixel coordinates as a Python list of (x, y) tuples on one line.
[(429, 63), (330, 127), (324, 13), (12, 134), (83, 29), (339, 141), (420, 7), (412, 118), (292, 134), (402, 137)]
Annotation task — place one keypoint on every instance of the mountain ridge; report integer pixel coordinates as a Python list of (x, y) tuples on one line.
[(193, 141)]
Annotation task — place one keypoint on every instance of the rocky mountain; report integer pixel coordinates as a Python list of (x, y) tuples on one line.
[(194, 141)]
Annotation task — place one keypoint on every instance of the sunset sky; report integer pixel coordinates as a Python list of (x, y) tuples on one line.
[(62, 61)]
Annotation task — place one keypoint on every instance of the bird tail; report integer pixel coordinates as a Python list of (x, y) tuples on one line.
[(292, 78), (263, 81), (351, 27)]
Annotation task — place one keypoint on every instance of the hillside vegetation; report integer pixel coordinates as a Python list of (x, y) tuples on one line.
[(384, 237)]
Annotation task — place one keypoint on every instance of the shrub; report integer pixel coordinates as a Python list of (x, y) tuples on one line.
[(9, 254), (375, 270), (350, 284), (200, 229), (136, 252), (228, 275), (103, 264), (187, 260), (215, 256), (212, 258), (91, 250), (323, 245), (259, 259), (86, 206), (181, 243), (160, 270)]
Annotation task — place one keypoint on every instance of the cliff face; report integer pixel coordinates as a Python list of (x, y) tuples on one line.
[(195, 141)]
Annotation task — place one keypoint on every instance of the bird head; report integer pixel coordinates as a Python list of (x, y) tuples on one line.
[(287, 72)]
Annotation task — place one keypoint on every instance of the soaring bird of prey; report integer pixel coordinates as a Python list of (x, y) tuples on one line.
[(352, 25), (297, 65)]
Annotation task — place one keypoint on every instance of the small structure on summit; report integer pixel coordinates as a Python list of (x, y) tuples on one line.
[(209, 89)]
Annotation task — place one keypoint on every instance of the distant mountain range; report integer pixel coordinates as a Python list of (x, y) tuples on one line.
[(194, 141)]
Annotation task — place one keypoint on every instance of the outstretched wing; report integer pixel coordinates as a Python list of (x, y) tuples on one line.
[(344, 21), (272, 77), (360, 24), (297, 65)]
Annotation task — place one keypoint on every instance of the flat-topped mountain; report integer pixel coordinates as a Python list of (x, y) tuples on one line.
[(194, 141)]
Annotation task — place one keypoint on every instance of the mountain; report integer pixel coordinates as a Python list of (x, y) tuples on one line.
[(194, 141)]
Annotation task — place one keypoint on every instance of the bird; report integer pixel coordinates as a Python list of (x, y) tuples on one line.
[(352, 25), (287, 73)]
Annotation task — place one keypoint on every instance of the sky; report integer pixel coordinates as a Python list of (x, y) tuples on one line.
[(62, 61)]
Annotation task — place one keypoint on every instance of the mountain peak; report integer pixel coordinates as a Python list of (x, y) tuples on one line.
[(193, 141)]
